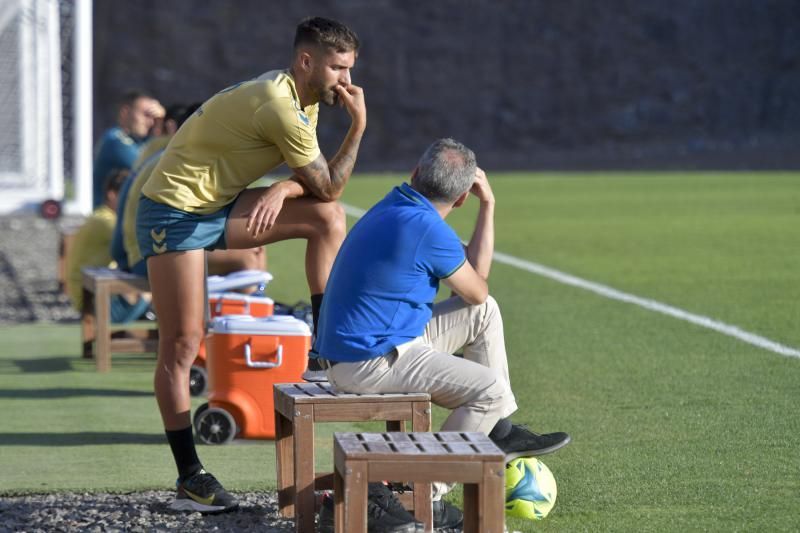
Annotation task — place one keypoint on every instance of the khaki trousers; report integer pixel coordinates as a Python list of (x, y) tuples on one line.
[(476, 388)]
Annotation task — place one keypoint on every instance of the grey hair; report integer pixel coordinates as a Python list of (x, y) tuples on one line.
[(445, 171)]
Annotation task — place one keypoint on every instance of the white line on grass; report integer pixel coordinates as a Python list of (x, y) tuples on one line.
[(614, 294)]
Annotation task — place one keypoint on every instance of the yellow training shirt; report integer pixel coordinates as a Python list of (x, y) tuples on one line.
[(156, 144), (236, 137), (129, 240), (91, 248)]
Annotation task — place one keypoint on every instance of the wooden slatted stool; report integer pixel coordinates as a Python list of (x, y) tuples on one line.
[(99, 284), (452, 457), (298, 406), (66, 237)]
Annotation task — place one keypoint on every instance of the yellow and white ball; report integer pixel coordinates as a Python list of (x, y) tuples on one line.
[(530, 489)]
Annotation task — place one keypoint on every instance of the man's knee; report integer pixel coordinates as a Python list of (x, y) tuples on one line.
[(488, 310), (493, 390), (500, 388), (254, 258), (183, 347), (331, 217), (491, 306)]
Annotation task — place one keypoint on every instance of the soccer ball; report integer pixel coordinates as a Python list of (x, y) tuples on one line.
[(530, 488)]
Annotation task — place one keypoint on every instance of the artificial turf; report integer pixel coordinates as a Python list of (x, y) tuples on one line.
[(675, 427)]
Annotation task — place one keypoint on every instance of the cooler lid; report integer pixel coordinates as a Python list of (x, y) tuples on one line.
[(270, 325), (237, 296), (238, 280)]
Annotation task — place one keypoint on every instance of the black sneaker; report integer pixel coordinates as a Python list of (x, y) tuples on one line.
[(203, 493), (315, 376), (325, 523), (379, 519), (522, 442), (446, 517), (315, 373), (383, 496)]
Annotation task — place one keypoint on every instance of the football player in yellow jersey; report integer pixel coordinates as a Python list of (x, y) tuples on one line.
[(125, 244), (196, 199)]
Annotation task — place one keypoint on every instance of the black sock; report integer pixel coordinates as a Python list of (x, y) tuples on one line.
[(501, 429), (316, 304), (181, 442)]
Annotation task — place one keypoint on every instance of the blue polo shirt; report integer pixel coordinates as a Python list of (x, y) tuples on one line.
[(383, 282), (116, 149)]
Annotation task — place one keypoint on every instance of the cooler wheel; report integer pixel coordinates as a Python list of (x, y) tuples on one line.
[(198, 380), (214, 425), (198, 412)]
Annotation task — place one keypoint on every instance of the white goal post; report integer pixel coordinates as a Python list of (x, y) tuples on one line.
[(45, 118)]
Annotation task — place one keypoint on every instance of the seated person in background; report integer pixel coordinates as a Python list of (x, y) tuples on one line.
[(380, 332), (119, 147), (174, 117), (91, 249), (125, 247)]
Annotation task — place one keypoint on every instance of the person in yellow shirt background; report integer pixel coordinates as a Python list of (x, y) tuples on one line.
[(125, 246), (92, 248)]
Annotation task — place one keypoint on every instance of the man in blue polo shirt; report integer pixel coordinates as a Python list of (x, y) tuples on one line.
[(119, 147), (380, 332)]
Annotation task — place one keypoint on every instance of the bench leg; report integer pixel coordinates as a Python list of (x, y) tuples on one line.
[(421, 422), (88, 321), (483, 502), (421, 417), (492, 497), (471, 511), (284, 457), (102, 304), (353, 519), (338, 501), (423, 507), (304, 499)]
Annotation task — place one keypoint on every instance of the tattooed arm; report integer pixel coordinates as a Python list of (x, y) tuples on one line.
[(326, 179), (320, 178)]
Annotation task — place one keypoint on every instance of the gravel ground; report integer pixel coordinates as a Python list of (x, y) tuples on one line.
[(138, 512), (29, 293)]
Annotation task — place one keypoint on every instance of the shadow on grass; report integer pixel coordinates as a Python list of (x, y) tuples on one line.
[(79, 439), (63, 392), (45, 364)]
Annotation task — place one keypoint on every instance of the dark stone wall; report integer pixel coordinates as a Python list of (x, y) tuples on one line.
[(528, 84)]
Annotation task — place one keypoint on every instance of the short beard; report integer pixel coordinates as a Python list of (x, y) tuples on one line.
[(328, 97)]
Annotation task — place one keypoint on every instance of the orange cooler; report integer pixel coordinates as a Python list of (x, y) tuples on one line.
[(247, 355), (234, 303), (225, 303)]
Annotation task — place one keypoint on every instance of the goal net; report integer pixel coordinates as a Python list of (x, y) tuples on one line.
[(36, 110)]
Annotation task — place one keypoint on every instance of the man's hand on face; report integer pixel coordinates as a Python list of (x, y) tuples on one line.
[(481, 188), (351, 97), (154, 109)]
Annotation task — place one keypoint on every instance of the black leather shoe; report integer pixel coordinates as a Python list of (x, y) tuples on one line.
[(385, 513), (522, 442), (446, 517)]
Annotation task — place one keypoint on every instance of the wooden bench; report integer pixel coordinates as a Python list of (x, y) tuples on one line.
[(98, 336), (468, 458), (298, 406), (66, 237)]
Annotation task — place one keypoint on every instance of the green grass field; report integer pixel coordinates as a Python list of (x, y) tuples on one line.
[(675, 427)]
